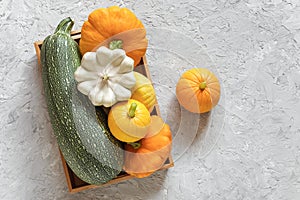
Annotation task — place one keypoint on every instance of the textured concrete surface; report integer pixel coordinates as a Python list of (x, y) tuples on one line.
[(248, 148)]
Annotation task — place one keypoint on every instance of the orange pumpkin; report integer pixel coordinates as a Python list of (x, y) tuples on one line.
[(198, 90), (149, 154), (114, 27)]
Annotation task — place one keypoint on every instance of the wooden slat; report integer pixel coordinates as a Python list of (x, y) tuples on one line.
[(73, 182)]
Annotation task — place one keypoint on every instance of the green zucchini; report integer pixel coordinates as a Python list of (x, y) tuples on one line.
[(84, 139)]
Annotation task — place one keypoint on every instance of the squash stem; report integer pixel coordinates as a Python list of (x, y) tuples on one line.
[(132, 110), (202, 85), (135, 145), (105, 77), (116, 44), (65, 26)]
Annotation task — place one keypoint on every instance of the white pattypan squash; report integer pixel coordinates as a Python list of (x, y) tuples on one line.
[(106, 76)]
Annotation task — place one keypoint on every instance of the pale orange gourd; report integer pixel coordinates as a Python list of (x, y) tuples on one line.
[(108, 26), (150, 153), (198, 90)]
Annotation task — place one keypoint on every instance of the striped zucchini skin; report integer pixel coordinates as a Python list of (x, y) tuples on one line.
[(84, 139)]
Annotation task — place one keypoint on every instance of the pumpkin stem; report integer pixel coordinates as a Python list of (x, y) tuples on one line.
[(135, 145), (202, 85), (65, 26), (116, 44), (132, 110)]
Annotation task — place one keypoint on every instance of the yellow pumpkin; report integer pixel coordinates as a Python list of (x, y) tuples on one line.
[(114, 27), (143, 91), (129, 121), (198, 90)]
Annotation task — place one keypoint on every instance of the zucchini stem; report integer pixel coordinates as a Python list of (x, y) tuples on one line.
[(65, 26)]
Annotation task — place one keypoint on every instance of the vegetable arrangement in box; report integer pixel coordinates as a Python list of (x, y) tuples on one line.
[(99, 73)]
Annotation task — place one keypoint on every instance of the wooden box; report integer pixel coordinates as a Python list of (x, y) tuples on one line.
[(75, 184)]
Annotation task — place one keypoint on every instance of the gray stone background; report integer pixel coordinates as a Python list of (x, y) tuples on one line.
[(252, 154)]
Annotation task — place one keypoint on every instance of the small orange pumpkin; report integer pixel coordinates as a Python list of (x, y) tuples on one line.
[(114, 27), (150, 153), (198, 90)]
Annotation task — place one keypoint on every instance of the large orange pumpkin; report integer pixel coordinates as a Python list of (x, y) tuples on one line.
[(149, 154), (198, 90), (114, 27)]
